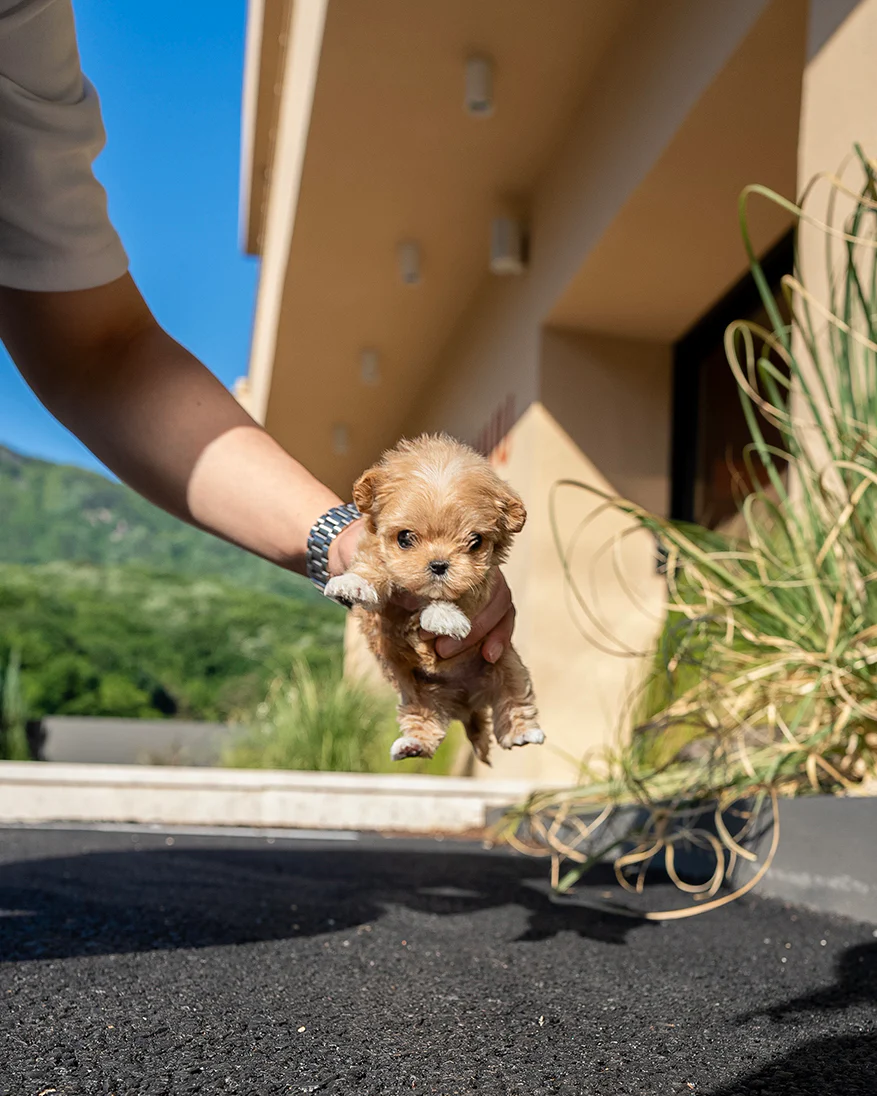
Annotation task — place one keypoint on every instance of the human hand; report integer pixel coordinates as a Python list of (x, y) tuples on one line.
[(343, 547), (492, 627)]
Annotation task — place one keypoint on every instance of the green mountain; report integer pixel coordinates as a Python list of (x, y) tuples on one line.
[(51, 512), (108, 606), (124, 641)]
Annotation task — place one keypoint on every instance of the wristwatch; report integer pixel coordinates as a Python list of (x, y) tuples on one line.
[(321, 536)]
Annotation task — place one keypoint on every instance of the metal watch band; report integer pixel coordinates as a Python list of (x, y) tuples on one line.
[(321, 536)]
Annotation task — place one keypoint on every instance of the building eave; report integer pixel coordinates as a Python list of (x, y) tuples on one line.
[(267, 35)]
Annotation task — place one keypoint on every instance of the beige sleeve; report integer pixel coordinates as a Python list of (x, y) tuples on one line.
[(55, 233)]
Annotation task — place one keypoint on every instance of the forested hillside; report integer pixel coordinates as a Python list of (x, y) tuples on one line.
[(52, 512), (114, 608)]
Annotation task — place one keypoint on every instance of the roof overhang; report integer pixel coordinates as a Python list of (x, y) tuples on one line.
[(266, 37), (357, 139), (676, 246), (373, 146)]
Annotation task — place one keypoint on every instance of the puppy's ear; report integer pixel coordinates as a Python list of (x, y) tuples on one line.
[(365, 495), (513, 511)]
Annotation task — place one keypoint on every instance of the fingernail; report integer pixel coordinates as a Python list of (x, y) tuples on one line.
[(493, 651), (446, 648)]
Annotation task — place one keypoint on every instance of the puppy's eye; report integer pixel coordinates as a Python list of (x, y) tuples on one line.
[(405, 539), (475, 542)]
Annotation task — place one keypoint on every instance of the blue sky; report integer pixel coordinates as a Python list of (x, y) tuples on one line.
[(169, 76)]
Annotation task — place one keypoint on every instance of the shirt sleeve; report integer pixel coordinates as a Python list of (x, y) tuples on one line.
[(55, 232)]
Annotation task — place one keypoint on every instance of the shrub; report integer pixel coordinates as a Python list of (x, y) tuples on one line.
[(763, 679), (322, 722), (13, 738)]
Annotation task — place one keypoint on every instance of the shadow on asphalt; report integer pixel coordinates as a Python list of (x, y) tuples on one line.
[(832, 1064), (150, 899), (856, 984)]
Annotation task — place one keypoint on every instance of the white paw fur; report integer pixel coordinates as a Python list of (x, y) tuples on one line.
[(350, 589), (407, 747), (443, 618), (532, 734)]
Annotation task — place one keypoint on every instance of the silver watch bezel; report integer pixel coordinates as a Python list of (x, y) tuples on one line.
[(325, 529)]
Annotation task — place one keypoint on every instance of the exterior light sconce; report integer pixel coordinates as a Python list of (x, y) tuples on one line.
[(508, 245), (408, 255), (369, 367), (479, 86)]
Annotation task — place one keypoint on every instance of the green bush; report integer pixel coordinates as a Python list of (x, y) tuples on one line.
[(321, 722), (13, 739)]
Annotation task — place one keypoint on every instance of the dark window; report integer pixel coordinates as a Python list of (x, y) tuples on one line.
[(710, 434)]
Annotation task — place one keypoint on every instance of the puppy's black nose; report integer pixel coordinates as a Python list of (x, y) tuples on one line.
[(439, 566)]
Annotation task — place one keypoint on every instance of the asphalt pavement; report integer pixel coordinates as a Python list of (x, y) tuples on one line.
[(141, 963)]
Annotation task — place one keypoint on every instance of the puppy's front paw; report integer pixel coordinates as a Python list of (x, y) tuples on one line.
[(351, 589), (443, 618), (408, 747), (533, 734)]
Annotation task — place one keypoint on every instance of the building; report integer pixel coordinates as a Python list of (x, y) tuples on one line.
[(392, 152)]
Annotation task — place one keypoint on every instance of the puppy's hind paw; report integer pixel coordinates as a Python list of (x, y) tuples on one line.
[(534, 735), (407, 747), (443, 618), (350, 589)]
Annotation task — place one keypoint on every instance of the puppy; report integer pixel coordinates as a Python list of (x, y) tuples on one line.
[(439, 522)]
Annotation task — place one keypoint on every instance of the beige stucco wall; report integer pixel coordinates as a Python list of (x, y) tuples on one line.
[(603, 423), (612, 398), (581, 689), (839, 90)]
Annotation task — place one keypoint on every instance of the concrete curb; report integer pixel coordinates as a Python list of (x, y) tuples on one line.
[(35, 792), (826, 858)]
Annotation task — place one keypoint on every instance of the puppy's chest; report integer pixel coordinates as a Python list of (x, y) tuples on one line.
[(397, 643), (464, 675)]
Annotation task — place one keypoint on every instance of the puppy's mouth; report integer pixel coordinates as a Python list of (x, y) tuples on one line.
[(434, 586)]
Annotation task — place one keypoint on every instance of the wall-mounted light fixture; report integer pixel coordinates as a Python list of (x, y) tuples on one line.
[(408, 255), (479, 86), (508, 245), (369, 367), (340, 439)]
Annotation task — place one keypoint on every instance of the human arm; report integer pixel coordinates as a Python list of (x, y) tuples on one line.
[(159, 419), (154, 415)]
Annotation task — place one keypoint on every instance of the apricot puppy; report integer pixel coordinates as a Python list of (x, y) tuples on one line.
[(439, 522)]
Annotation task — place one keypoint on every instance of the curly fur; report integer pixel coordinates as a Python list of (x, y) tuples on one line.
[(450, 506)]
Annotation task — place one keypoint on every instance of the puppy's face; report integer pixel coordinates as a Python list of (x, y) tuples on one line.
[(442, 516)]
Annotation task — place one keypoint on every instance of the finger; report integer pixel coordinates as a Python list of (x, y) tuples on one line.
[(407, 601), (489, 617), (343, 547), (500, 637)]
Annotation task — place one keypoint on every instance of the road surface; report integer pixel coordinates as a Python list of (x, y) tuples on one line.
[(138, 963)]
